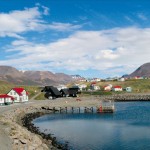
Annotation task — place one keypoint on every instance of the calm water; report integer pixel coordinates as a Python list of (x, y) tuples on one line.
[(127, 128)]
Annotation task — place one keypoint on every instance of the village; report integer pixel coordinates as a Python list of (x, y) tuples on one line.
[(80, 87), (21, 95)]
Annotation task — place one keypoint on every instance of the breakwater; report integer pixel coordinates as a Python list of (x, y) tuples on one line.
[(127, 97)]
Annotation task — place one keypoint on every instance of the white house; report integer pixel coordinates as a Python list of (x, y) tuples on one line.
[(94, 87), (6, 99), (121, 79), (19, 94), (108, 87), (82, 86), (117, 88)]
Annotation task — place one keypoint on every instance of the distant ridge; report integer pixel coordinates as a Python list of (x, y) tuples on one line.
[(142, 71), (11, 74)]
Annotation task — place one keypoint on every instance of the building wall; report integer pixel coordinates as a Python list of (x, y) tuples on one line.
[(2, 101), (8, 100), (117, 89)]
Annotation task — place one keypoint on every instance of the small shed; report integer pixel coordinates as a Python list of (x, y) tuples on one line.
[(128, 89), (72, 92)]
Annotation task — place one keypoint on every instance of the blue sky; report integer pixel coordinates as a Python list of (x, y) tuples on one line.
[(98, 38)]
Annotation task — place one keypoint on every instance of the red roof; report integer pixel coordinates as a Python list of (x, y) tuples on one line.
[(6, 96), (93, 83), (118, 87), (19, 90)]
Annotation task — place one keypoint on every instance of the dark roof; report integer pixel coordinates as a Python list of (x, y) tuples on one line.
[(51, 89), (72, 91), (65, 91)]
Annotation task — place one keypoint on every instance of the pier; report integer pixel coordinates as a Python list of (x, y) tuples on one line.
[(103, 107)]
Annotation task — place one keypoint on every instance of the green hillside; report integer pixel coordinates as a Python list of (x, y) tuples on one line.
[(138, 86), (5, 87)]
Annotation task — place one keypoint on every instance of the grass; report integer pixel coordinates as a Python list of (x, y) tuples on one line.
[(138, 86), (40, 97)]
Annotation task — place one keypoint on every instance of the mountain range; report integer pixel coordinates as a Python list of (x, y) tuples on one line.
[(11, 74)]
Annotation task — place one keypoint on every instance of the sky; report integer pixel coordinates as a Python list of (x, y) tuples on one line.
[(92, 38)]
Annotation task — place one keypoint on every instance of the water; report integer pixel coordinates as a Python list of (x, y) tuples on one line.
[(127, 128)]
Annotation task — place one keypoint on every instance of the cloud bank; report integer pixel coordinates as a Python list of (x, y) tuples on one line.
[(123, 49)]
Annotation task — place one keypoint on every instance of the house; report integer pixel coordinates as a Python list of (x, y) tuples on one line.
[(108, 87), (6, 99), (19, 94), (82, 87), (117, 88), (51, 92), (64, 92), (94, 87)]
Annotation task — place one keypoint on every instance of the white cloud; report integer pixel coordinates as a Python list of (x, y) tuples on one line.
[(120, 48), (16, 22), (63, 26)]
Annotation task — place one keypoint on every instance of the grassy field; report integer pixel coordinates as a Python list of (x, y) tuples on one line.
[(138, 86)]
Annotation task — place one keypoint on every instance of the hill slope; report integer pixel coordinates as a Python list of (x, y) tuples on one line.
[(142, 71)]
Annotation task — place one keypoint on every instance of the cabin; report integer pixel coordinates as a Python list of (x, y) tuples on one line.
[(75, 88), (94, 87), (117, 88), (64, 92), (72, 92), (6, 99), (51, 92), (19, 94)]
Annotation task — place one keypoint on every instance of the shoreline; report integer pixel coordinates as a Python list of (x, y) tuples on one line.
[(20, 137)]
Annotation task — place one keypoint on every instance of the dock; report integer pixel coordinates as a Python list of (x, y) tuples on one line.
[(103, 107)]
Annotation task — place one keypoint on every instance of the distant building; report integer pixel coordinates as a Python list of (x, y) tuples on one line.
[(19, 94), (121, 79), (94, 87), (117, 88), (108, 87), (128, 89), (59, 87), (82, 87), (138, 77)]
